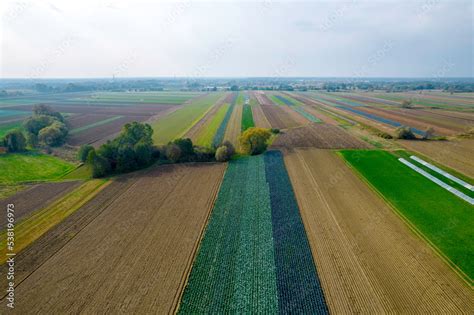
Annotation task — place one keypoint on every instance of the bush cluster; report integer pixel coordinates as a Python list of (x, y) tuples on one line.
[(46, 127)]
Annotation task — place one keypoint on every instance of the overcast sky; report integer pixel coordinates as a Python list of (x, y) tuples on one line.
[(101, 38)]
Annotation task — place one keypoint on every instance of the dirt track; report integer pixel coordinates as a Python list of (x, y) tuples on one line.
[(135, 255), (367, 258)]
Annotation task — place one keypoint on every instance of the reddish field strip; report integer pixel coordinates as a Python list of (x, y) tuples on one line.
[(367, 258), (135, 256)]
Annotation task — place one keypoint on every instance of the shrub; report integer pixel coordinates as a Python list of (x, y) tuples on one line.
[(100, 166), (173, 153), (31, 139), (84, 152), (429, 132), (275, 130), (404, 132), (254, 140), (222, 154), (406, 104), (14, 141), (230, 147), (186, 147), (204, 154)]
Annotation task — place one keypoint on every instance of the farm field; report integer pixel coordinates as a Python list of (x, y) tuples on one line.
[(171, 97), (247, 118), (234, 126), (6, 127), (30, 167), (254, 261), (36, 197), (453, 154), (368, 260), (323, 136), (168, 224), (206, 136), (444, 219), (177, 123), (257, 113)]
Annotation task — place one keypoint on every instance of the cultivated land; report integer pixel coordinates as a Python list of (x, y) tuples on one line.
[(234, 126), (368, 260), (36, 197), (444, 219), (454, 154), (179, 122), (139, 250)]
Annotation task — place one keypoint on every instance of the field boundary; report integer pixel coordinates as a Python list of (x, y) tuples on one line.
[(465, 278)]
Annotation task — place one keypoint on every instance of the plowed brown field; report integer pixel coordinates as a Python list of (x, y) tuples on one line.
[(456, 154), (233, 129), (321, 136), (135, 256), (368, 260)]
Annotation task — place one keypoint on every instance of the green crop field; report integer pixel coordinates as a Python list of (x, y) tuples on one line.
[(207, 133), (25, 167), (444, 219), (97, 123), (254, 235), (177, 123), (247, 118)]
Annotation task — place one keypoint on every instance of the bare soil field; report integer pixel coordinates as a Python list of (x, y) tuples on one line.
[(278, 117), (134, 257), (234, 126), (258, 116), (367, 258), (36, 197), (323, 136), (81, 120), (37, 253), (456, 154), (422, 120), (95, 134)]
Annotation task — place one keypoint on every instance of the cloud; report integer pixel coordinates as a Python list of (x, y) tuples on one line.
[(246, 38)]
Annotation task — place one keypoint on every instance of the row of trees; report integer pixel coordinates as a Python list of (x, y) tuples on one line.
[(133, 149)]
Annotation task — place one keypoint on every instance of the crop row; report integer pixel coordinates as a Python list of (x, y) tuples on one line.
[(299, 289)]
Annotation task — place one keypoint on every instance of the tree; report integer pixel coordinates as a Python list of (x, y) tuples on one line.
[(230, 147), (135, 132), (429, 132), (99, 164), (406, 104), (53, 135), (126, 160), (143, 153), (404, 132), (222, 154), (234, 88), (45, 110), (84, 152), (14, 141), (254, 140), (32, 139), (35, 123), (173, 152), (186, 147)]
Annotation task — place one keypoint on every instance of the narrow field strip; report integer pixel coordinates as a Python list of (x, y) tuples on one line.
[(98, 123), (206, 135), (441, 217), (445, 174), (452, 190), (32, 227), (299, 289), (219, 136), (247, 117)]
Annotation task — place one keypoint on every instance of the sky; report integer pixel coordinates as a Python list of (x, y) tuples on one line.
[(188, 38)]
